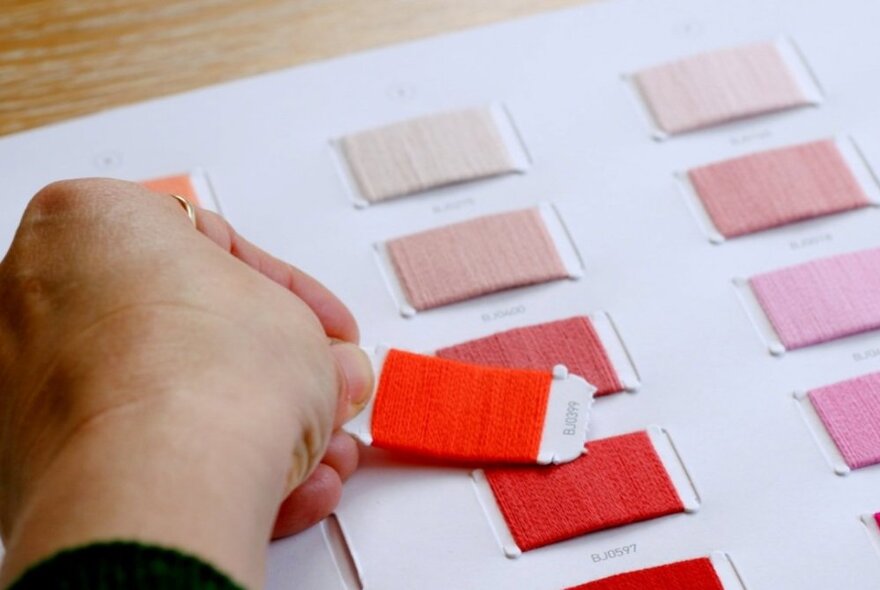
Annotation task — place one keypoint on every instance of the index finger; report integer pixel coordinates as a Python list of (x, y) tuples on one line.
[(337, 320)]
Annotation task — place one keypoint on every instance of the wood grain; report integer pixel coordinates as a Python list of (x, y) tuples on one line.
[(63, 58)]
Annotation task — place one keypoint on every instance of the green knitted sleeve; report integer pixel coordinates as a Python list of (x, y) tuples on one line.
[(123, 565)]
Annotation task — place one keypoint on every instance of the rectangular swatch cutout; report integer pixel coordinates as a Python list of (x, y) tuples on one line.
[(776, 187), (473, 258), (587, 346), (725, 85), (849, 412), (817, 301), (453, 411), (193, 186), (419, 154), (620, 480), (715, 572)]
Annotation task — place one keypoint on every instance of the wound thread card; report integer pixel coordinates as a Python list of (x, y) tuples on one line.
[(768, 189), (545, 116), (416, 155), (586, 346)]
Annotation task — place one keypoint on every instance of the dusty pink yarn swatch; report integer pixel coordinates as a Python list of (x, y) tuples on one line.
[(775, 187), (822, 300), (850, 411), (475, 257), (719, 86)]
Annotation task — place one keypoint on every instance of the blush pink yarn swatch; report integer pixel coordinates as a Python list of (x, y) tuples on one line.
[(850, 411), (415, 155), (775, 187), (572, 342), (475, 257), (719, 86), (822, 300)]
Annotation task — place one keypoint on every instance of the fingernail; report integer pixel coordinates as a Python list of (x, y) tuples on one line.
[(357, 371)]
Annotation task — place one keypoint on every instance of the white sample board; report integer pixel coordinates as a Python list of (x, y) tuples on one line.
[(770, 498)]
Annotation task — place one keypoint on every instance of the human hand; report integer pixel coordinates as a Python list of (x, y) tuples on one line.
[(165, 384)]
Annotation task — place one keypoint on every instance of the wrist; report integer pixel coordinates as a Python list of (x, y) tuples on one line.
[(158, 473)]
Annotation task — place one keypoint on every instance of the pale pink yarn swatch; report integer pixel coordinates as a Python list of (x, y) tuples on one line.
[(822, 300), (719, 86), (418, 154), (475, 257), (776, 187), (850, 411)]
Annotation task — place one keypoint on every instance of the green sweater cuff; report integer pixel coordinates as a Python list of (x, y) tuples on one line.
[(123, 565)]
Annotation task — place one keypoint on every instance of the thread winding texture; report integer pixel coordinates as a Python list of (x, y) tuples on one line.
[(776, 187), (572, 342), (719, 86), (692, 574), (620, 480), (451, 410), (822, 300), (415, 155), (476, 257), (850, 411)]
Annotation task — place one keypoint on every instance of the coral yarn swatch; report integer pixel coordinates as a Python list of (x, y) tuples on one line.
[(850, 411), (475, 257), (719, 86), (572, 342), (620, 480), (693, 574), (775, 187), (450, 410), (822, 300), (178, 185), (415, 155)]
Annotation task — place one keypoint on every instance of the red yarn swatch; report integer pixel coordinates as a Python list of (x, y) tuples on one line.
[(620, 480), (452, 410), (475, 257), (178, 185), (775, 187), (572, 342), (693, 574)]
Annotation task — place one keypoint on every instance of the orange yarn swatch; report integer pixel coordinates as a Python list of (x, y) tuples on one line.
[(452, 410), (693, 574), (620, 480), (178, 185)]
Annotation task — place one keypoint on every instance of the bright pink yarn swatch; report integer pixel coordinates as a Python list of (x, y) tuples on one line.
[(850, 411), (775, 187), (572, 342), (475, 257), (719, 86), (822, 300)]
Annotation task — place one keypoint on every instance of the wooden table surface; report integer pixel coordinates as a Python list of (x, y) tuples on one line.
[(63, 58)]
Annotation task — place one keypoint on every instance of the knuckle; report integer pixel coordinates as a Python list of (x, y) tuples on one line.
[(58, 197)]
